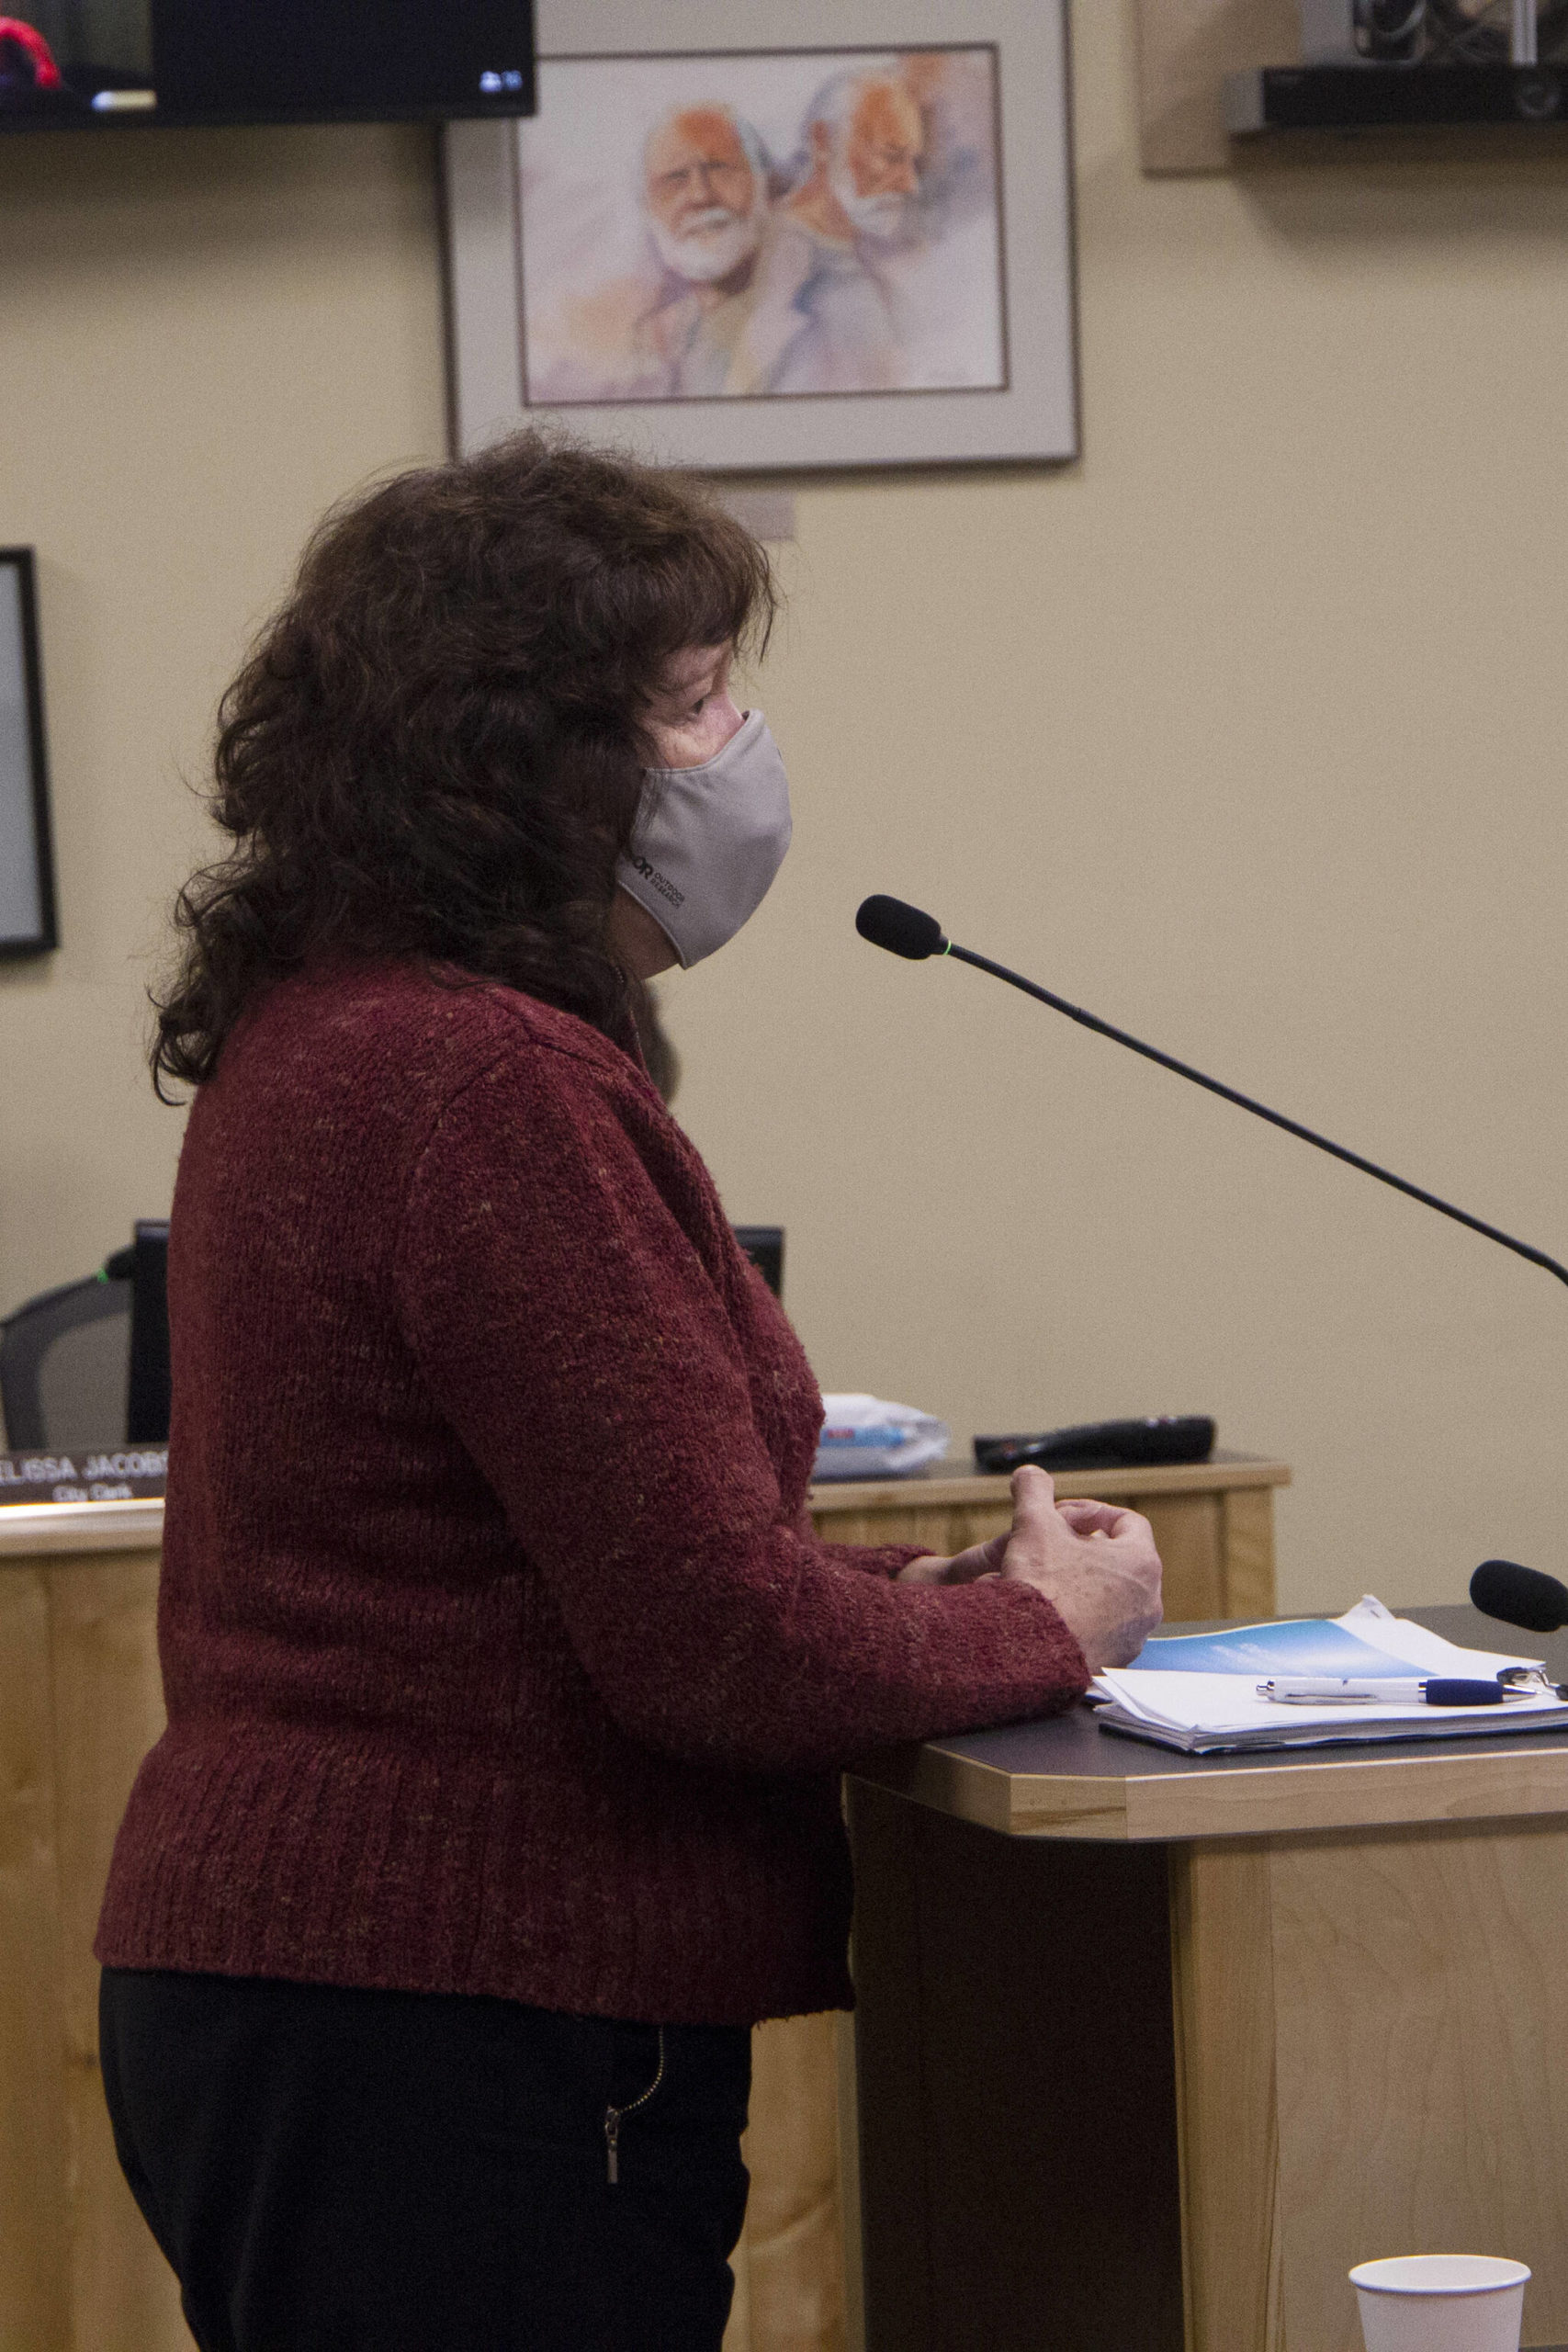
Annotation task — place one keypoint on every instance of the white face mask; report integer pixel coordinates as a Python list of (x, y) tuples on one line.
[(709, 841)]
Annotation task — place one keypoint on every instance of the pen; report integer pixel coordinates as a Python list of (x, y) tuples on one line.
[(1318, 1691)]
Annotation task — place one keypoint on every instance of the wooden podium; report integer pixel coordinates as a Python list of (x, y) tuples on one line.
[(1152, 2049), (797, 2268)]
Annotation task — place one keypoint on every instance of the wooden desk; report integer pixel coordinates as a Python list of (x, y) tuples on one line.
[(80, 1704), (1156, 2063)]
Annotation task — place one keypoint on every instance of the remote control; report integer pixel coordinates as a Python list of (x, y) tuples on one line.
[(1103, 1445)]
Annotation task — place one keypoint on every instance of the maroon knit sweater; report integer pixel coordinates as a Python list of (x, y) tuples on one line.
[(495, 1655)]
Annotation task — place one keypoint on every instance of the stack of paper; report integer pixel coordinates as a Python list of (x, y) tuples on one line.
[(1198, 1691)]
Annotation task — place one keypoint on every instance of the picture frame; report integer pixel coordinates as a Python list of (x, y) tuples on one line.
[(554, 236), (29, 924)]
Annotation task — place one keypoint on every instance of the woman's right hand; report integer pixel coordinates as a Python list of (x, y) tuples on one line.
[(1094, 1562)]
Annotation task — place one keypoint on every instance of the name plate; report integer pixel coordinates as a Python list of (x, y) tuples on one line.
[(87, 1474)]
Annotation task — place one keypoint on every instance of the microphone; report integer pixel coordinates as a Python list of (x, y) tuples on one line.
[(1520, 1596), (905, 931)]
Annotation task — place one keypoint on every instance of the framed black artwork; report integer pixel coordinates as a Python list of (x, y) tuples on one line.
[(27, 925)]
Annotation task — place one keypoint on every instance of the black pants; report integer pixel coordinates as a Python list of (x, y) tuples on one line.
[(335, 2171)]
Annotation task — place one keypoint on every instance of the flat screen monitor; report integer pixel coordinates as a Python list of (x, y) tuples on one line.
[(86, 63)]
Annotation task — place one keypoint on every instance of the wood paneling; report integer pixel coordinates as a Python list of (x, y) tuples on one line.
[(79, 1704), (1223, 1986), (848, 2183), (1187, 1530), (891, 2101), (789, 2265), (108, 1710), (34, 2200), (1019, 2128), (1421, 1988), (1247, 1548)]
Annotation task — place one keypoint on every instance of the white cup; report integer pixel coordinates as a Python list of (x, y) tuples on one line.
[(1441, 2303)]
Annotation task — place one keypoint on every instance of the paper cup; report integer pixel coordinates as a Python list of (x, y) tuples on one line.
[(1441, 2303)]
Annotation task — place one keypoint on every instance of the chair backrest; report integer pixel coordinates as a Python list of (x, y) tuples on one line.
[(64, 1367), (147, 1387)]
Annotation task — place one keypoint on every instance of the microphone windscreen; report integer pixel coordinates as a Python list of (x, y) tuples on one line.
[(1520, 1596), (904, 931)]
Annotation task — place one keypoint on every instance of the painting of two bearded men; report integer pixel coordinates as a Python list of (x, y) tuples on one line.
[(760, 226)]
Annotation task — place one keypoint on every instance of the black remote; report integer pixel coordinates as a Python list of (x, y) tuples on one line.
[(1103, 1445)]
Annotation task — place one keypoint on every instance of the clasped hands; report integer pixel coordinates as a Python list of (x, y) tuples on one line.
[(1094, 1562)]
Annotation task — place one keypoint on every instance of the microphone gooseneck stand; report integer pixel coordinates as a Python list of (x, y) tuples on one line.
[(906, 931)]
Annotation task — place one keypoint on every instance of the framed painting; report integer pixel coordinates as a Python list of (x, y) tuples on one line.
[(738, 241), (27, 925)]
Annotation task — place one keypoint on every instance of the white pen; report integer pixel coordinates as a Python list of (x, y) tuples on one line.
[(1340, 1686), (1329, 1691)]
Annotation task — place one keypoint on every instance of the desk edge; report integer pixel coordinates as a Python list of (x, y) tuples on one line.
[(1363, 1792), (1076, 1805), (1171, 1479), (31, 1530)]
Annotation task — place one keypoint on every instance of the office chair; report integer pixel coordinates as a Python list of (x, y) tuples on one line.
[(65, 1358), (88, 1365)]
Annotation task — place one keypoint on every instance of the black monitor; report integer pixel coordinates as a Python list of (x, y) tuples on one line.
[(87, 63)]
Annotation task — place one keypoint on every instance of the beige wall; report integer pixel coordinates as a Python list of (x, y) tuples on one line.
[(1245, 731), (204, 338)]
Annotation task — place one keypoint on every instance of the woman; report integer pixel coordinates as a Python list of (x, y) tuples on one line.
[(507, 1684)]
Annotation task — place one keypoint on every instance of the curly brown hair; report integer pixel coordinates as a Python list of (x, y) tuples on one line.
[(435, 747)]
